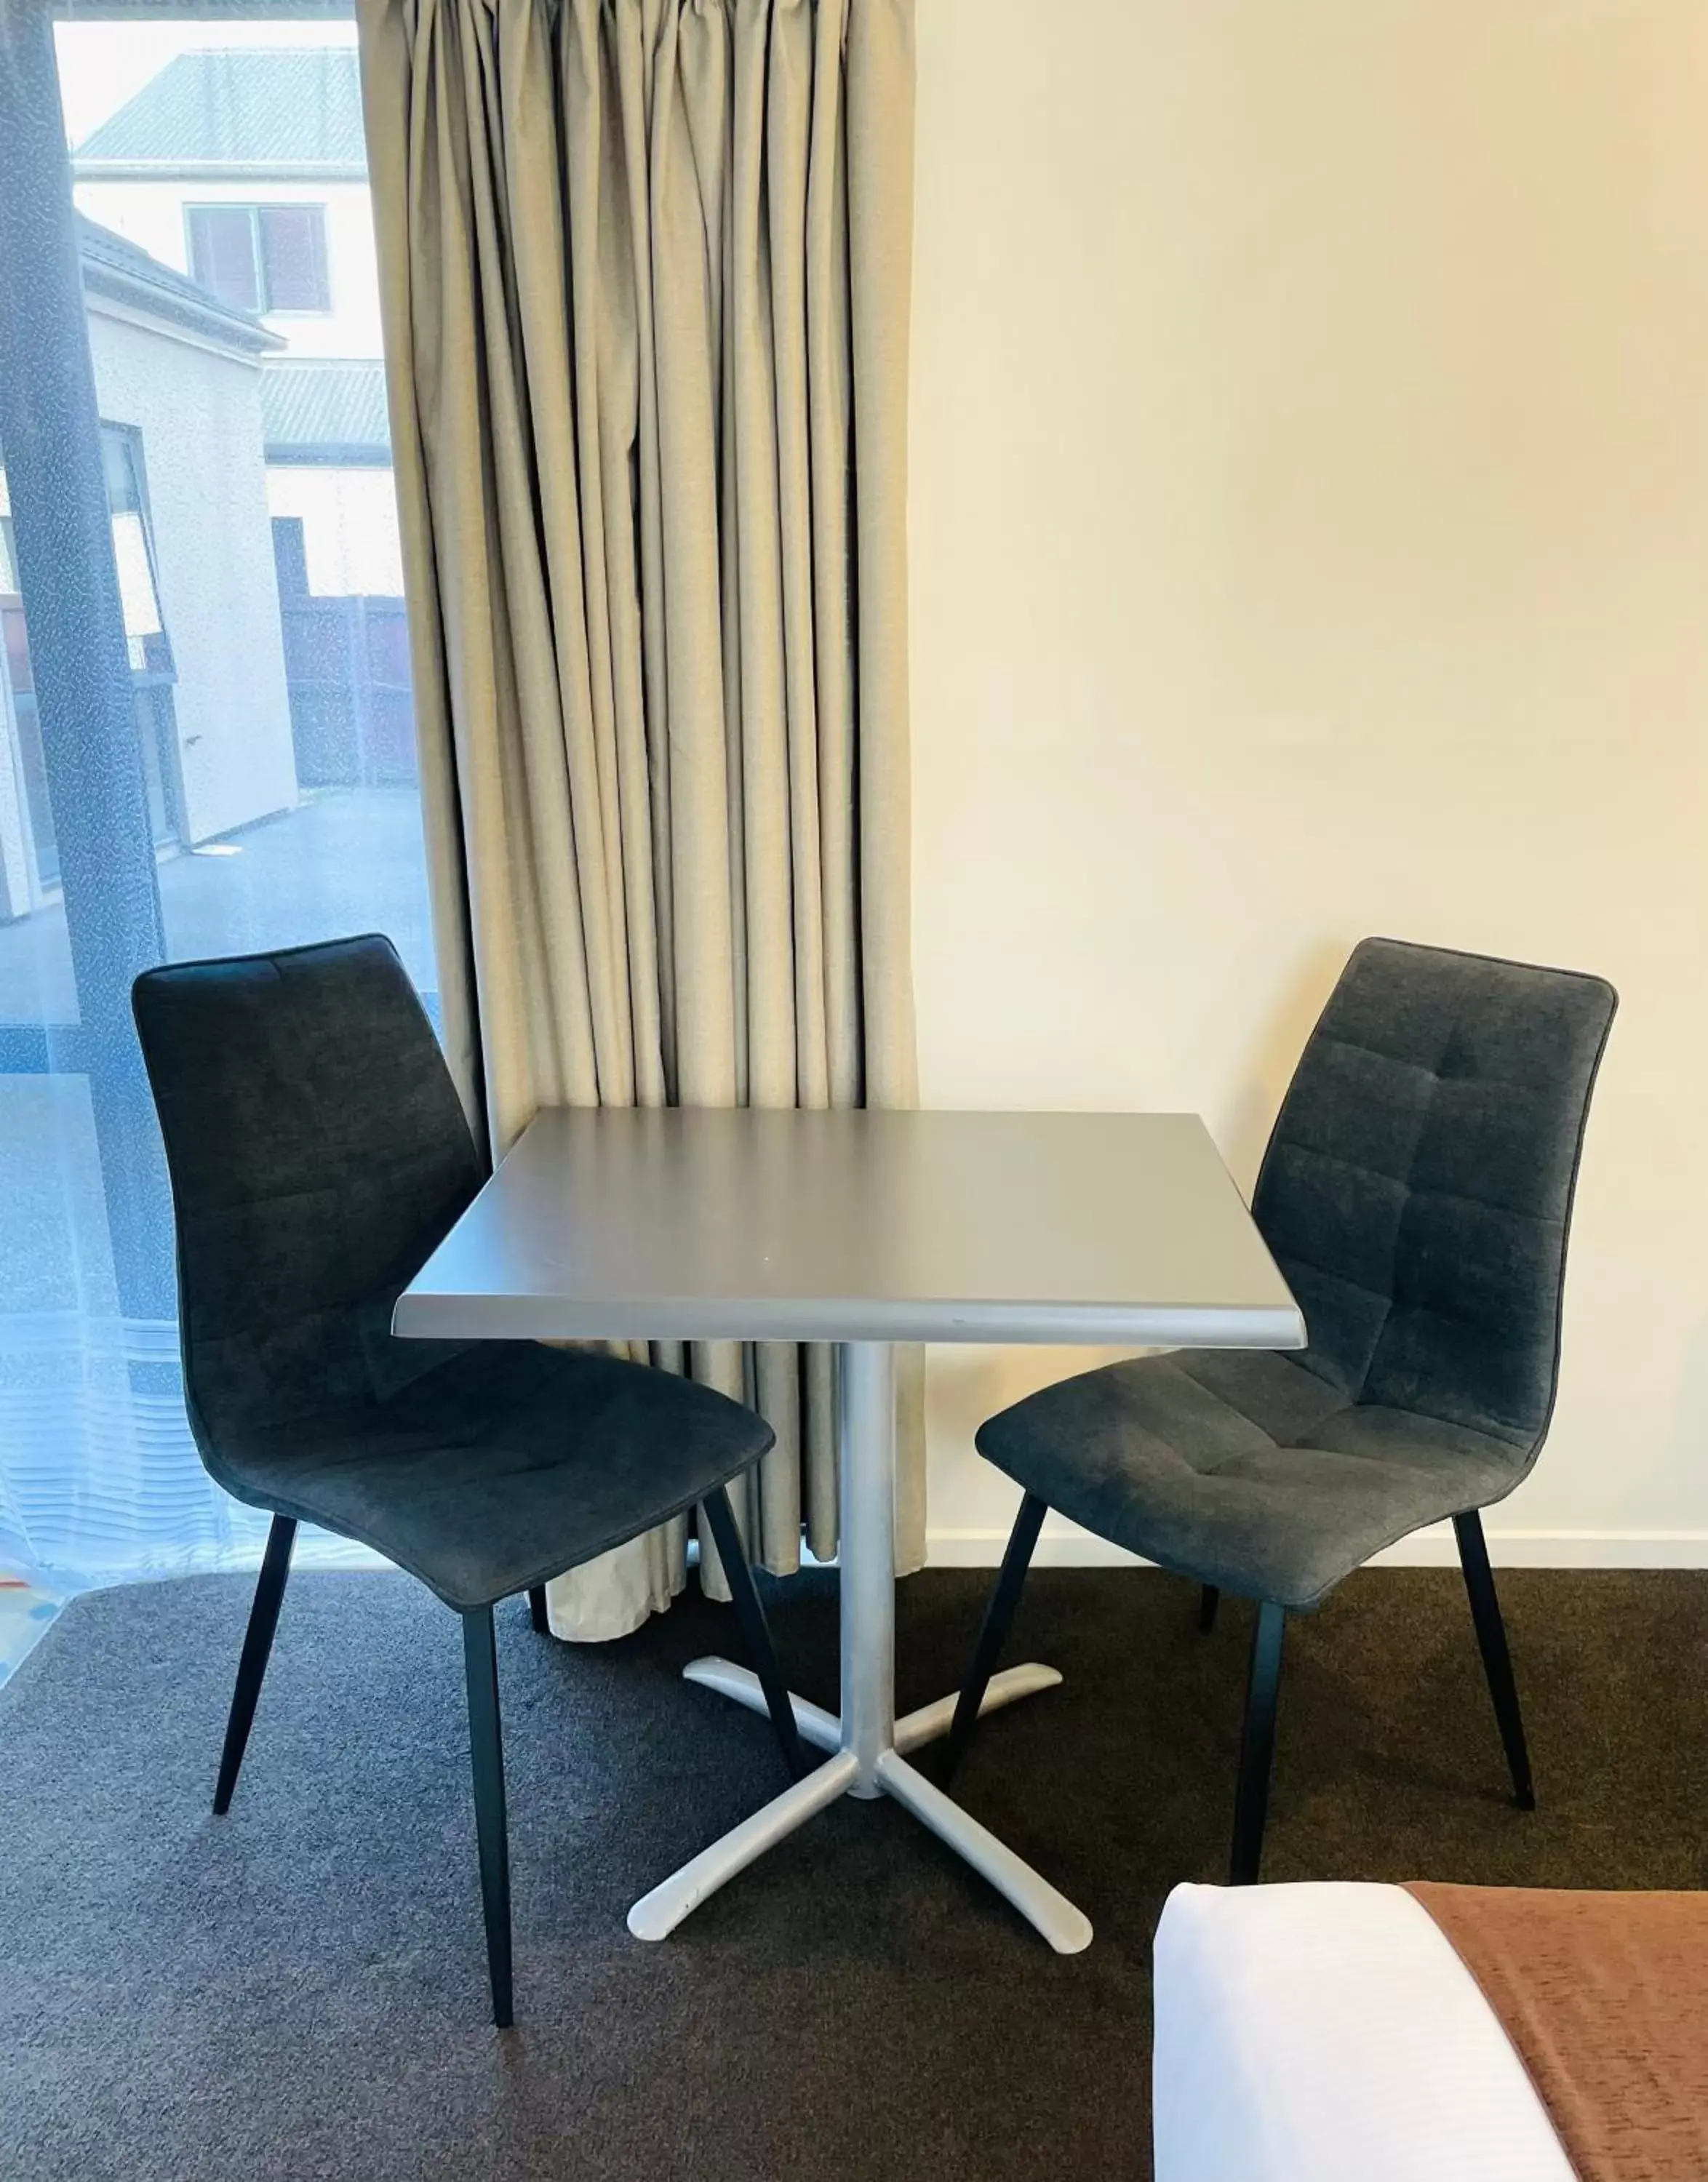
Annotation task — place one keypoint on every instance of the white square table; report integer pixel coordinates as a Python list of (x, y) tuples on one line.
[(863, 1229)]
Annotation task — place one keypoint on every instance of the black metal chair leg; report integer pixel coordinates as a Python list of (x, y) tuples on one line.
[(1257, 1745), (993, 1633), (536, 1610), (1209, 1598), (1497, 1660), (252, 1664), (755, 1630), (492, 1828)]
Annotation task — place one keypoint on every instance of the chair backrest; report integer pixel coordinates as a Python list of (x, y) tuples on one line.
[(317, 1152), (1417, 1188)]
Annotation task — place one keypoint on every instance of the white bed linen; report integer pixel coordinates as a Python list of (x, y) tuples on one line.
[(1328, 2033)]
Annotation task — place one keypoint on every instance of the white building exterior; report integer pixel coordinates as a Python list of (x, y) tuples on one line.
[(150, 208), (180, 374), (349, 519), (245, 167), (198, 407), (246, 127)]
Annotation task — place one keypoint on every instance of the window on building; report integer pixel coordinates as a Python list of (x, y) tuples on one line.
[(146, 642), (133, 550), (262, 257)]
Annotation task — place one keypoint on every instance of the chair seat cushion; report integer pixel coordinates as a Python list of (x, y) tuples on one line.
[(1242, 1468), (501, 1467)]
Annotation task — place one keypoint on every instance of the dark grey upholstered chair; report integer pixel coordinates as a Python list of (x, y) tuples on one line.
[(318, 1154), (1416, 1193)]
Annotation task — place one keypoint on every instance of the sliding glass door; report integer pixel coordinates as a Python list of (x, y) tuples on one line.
[(204, 740)]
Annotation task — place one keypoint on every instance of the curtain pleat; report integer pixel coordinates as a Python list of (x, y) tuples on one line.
[(644, 270)]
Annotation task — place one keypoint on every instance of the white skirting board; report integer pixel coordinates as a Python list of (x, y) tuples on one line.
[(1063, 1546)]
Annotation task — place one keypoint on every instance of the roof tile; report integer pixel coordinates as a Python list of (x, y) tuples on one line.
[(296, 108)]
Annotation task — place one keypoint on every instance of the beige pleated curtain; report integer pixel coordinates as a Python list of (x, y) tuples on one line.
[(645, 270)]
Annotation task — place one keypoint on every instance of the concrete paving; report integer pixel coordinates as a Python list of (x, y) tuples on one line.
[(347, 860)]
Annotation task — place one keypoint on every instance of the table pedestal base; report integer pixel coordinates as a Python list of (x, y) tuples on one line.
[(657, 1915), (868, 1744)]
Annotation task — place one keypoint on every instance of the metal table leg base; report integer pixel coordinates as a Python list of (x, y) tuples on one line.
[(933, 1721), (812, 1724), (867, 1740), (823, 1731), (656, 1915), (1065, 1928)]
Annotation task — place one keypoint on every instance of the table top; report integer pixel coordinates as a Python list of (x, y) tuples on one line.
[(688, 1223)]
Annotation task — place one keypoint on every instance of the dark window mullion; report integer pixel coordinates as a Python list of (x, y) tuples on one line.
[(50, 435)]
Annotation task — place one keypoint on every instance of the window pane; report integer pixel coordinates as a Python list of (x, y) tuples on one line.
[(133, 553), (275, 800), (293, 256), (124, 490), (222, 253), (137, 598)]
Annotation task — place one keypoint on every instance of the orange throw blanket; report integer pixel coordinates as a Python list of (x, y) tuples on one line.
[(1605, 1997)]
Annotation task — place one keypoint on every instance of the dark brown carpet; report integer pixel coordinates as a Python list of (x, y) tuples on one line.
[(299, 1991)]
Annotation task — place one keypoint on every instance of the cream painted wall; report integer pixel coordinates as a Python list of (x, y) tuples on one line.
[(1309, 538)]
